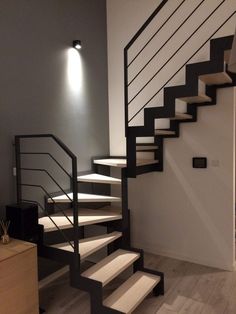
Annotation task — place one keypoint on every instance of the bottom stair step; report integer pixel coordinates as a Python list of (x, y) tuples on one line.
[(111, 266), (132, 292)]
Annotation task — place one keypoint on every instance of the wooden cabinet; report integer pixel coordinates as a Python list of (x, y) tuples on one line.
[(18, 278)]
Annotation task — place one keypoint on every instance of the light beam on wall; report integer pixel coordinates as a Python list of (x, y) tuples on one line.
[(74, 71)]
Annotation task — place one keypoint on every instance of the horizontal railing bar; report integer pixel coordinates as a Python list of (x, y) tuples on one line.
[(149, 81), (165, 43), (182, 66), (159, 29), (50, 155), (45, 171), (47, 214), (49, 196), (55, 138), (142, 28)]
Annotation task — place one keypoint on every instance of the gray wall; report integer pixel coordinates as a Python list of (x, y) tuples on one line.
[(35, 96)]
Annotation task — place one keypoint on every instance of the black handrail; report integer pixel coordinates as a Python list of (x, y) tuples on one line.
[(139, 32), (155, 54), (52, 157), (74, 186), (231, 15), (181, 46), (159, 29), (145, 25)]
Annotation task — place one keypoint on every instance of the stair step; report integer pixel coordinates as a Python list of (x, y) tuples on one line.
[(182, 116), (121, 163), (98, 178), (132, 292), (164, 132), (111, 266), (86, 217), (196, 99), (91, 245), (216, 78), (84, 198)]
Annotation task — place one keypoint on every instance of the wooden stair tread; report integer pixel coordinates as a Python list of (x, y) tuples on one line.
[(132, 292), (90, 245), (122, 163), (182, 116), (111, 266), (164, 132), (86, 217), (216, 78), (84, 197), (196, 99), (113, 162), (98, 178)]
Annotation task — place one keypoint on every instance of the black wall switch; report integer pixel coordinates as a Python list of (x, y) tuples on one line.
[(199, 162)]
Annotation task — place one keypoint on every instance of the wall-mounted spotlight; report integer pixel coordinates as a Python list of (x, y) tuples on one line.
[(77, 44)]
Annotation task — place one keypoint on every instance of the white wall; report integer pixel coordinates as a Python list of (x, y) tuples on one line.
[(182, 212)]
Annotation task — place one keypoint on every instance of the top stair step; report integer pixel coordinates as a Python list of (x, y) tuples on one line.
[(122, 163), (111, 266), (132, 292), (98, 178)]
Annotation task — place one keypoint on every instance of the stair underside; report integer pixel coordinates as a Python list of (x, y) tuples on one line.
[(111, 266), (84, 198), (122, 163), (164, 132), (86, 217), (91, 245), (98, 178), (196, 99), (132, 292), (182, 116)]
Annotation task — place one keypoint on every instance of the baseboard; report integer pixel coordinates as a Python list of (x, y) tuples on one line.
[(181, 257)]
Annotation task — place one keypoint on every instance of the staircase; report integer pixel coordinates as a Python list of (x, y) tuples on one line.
[(202, 81), (66, 214)]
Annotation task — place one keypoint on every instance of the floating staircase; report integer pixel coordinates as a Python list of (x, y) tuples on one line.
[(66, 214), (202, 81)]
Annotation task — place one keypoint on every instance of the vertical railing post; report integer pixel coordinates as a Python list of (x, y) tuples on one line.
[(126, 92), (18, 169), (75, 212)]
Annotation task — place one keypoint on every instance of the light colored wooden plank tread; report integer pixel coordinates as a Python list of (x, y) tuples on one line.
[(90, 245), (121, 163), (111, 266), (182, 116), (216, 78), (164, 132), (132, 292), (86, 217), (84, 197), (98, 178), (196, 99)]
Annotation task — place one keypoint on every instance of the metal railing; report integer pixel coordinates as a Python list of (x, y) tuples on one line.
[(73, 178), (127, 83)]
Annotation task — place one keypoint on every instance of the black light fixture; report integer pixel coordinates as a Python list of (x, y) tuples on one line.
[(77, 44)]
